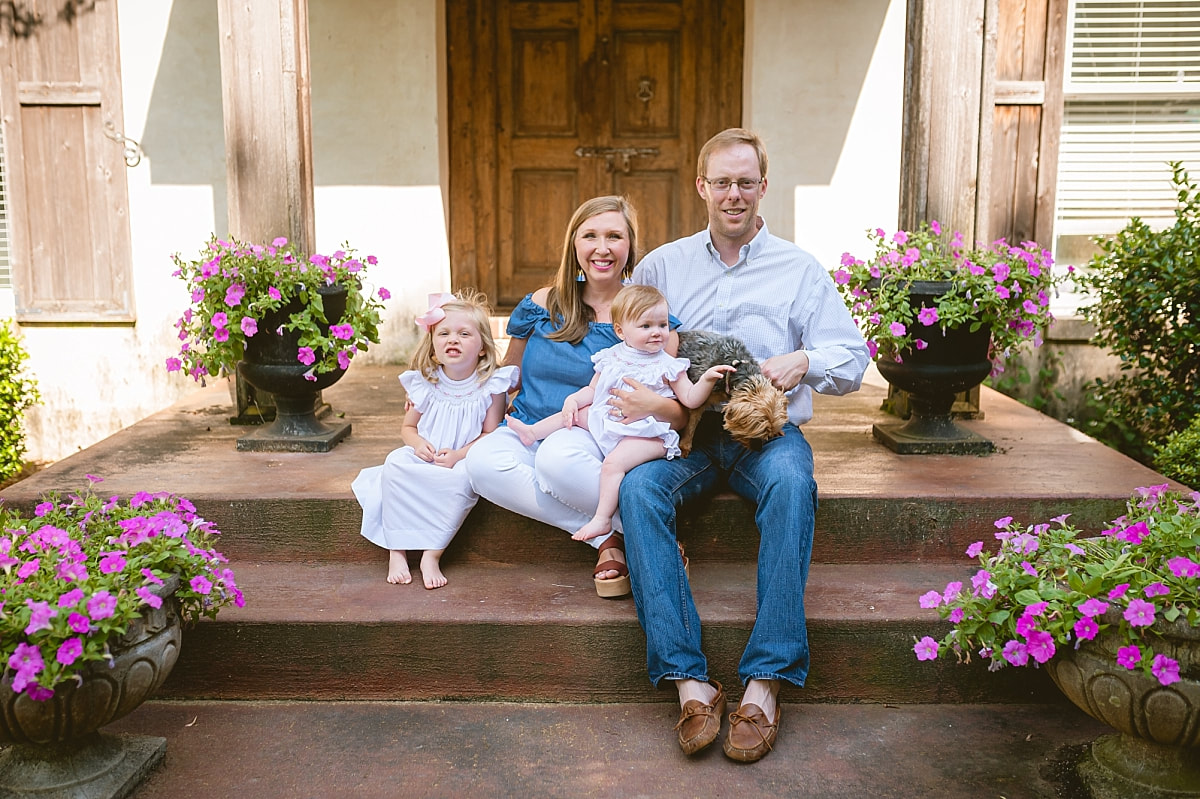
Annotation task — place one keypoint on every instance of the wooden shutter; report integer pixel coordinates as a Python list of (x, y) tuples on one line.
[(60, 103), (5, 270), (1132, 95)]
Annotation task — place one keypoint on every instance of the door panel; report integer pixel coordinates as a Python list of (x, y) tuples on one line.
[(551, 103)]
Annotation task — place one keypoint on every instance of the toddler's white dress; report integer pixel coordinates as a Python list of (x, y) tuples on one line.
[(652, 370), (408, 503)]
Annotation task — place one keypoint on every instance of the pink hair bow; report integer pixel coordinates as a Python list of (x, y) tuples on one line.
[(435, 313)]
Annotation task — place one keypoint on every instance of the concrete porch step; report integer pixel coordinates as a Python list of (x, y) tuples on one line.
[(286, 750), (523, 632)]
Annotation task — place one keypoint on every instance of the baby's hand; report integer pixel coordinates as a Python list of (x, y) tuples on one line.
[(713, 375), (425, 451), (569, 411)]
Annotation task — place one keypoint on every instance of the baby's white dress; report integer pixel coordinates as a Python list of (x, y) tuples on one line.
[(408, 503), (652, 370)]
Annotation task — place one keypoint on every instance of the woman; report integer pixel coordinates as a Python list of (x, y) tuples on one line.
[(554, 333)]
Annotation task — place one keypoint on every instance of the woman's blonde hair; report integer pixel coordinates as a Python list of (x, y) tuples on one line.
[(565, 301), (633, 301), (475, 305)]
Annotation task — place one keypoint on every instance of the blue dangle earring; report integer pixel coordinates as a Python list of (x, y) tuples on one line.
[(581, 277)]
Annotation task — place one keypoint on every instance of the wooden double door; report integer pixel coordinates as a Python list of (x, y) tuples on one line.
[(551, 103)]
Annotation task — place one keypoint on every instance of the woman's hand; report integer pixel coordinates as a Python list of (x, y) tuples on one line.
[(637, 402)]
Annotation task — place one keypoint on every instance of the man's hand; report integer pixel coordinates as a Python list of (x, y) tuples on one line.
[(786, 371)]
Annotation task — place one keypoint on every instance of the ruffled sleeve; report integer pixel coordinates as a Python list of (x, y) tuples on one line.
[(600, 359), (525, 316), (420, 392), (502, 380), (675, 367)]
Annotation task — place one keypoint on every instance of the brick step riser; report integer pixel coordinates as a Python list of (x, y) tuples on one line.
[(849, 530), (554, 663)]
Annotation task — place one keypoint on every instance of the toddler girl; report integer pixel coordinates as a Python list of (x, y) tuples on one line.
[(640, 320), (457, 393)]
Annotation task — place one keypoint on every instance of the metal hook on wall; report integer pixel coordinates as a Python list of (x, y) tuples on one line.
[(133, 150)]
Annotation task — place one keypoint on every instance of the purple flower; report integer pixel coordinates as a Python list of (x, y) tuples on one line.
[(920, 343), (71, 649), (927, 316), (1036, 609), (1086, 628), (1165, 669), (306, 356), (273, 293), (1040, 645), (28, 568), (1002, 523), (1157, 589), (343, 332), (71, 598), (931, 599), (1119, 591), (101, 605), (174, 364), (219, 319), (221, 334), (1093, 607), (974, 550), (40, 614), (149, 597), (926, 649), (1128, 656), (897, 329), (384, 294), (1140, 613), (1015, 653), (249, 325), (27, 662), (957, 615), (79, 623), (279, 241), (1135, 533), (952, 590), (841, 277), (1073, 548), (151, 577), (112, 562), (201, 584), (1183, 567), (234, 294)]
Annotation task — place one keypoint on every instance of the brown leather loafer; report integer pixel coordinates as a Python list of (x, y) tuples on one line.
[(750, 734), (699, 723)]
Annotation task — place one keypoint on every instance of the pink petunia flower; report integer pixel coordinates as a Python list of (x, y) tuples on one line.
[(69, 651), (1086, 628), (1129, 656), (931, 599), (1165, 669), (926, 649), (1140, 613)]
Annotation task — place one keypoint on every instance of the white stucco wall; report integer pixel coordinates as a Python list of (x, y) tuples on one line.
[(823, 88), (830, 119)]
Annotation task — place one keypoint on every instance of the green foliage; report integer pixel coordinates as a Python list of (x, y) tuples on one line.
[(1179, 456), (18, 393), (1146, 291)]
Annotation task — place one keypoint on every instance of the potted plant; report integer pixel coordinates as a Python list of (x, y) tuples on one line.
[(289, 323), (939, 316), (92, 593), (1114, 617)]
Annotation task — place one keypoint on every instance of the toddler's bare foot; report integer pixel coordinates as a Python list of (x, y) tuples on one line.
[(597, 526), (398, 568), (431, 572), (523, 431)]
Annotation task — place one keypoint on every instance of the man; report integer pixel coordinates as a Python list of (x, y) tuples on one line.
[(736, 278)]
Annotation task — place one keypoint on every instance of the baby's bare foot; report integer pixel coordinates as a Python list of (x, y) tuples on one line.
[(523, 431), (597, 526), (431, 572), (398, 572)]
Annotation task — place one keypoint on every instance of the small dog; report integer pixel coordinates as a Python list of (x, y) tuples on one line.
[(754, 410)]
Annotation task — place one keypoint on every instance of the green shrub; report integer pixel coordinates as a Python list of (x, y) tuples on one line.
[(18, 392), (1145, 287), (1179, 456)]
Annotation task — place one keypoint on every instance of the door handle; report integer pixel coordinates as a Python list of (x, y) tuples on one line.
[(616, 157)]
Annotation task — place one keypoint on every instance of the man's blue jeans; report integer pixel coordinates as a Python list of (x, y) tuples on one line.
[(779, 478)]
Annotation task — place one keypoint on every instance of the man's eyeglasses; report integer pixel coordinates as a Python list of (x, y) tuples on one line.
[(725, 184)]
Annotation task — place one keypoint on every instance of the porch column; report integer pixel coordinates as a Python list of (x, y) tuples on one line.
[(946, 147), (268, 125)]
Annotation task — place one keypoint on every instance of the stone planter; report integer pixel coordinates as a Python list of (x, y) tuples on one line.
[(956, 360), (270, 365), (55, 747), (1156, 752)]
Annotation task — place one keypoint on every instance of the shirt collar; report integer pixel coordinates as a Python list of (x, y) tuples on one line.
[(748, 251)]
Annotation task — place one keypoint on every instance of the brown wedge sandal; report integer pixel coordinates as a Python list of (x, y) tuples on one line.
[(617, 586)]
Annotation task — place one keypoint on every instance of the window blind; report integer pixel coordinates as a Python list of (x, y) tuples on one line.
[(1132, 103)]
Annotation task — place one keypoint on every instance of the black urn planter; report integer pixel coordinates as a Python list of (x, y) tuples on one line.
[(955, 360), (55, 748), (270, 365)]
